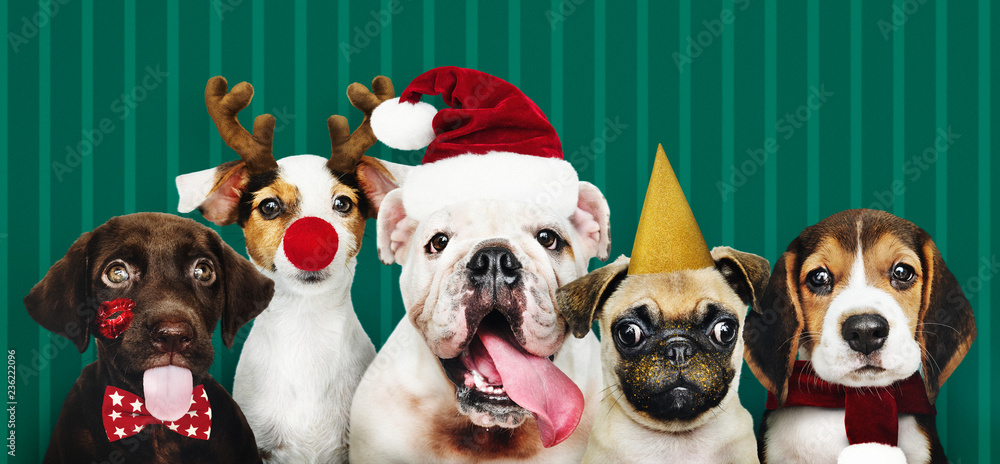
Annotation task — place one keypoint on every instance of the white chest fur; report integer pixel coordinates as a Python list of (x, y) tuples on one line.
[(818, 435), (297, 375)]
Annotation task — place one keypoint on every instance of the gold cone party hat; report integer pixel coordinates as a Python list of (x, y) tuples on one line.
[(668, 238)]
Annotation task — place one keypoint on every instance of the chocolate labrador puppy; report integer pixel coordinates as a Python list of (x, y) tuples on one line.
[(151, 288)]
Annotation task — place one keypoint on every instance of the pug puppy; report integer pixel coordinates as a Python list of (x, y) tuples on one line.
[(671, 352)]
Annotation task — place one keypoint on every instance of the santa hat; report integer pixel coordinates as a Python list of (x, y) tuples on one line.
[(492, 142), (668, 238)]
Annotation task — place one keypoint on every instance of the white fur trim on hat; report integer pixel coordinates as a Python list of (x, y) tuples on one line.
[(875, 453), (404, 126), (547, 182)]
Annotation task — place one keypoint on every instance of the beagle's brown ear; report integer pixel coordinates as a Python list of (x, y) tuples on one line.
[(746, 273), (772, 330), (580, 300), (248, 292), (59, 302), (947, 326)]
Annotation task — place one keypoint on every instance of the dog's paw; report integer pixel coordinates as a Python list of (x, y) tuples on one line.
[(875, 453)]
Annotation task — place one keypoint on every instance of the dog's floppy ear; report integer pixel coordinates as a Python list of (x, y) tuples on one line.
[(377, 179), (773, 327), (59, 301), (214, 192), (394, 228), (581, 300), (248, 292), (746, 273), (592, 221), (947, 326)]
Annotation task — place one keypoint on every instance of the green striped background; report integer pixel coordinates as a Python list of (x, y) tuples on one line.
[(900, 73)]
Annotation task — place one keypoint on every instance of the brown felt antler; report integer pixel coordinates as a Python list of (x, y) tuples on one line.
[(347, 147), (255, 148)]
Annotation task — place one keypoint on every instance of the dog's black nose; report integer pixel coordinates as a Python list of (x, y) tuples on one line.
[(172, 337), (865, 333), (494, 264), (679, 351)]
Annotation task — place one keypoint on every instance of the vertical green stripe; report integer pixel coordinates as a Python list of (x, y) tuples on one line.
[(813, 128), (86, 122), (301, 75), (386, 283), (728, 125), (642, 97), (44, 217), (173, 103), (898, 113), (514, 42), (130, 148), (5, 171), (984, 315), (344, 66), (257, 68), (428, 35), (215, 69), (770, 120), (472, 34), (556, 78), (600, 87), (856, 149), (684, 100), (941, 195)]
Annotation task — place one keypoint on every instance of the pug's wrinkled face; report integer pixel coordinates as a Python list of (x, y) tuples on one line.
[(673, 342)]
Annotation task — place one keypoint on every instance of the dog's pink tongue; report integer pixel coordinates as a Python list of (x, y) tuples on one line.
[(535, 384), (168, 392)]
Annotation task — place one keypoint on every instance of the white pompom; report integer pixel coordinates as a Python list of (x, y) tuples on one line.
[(404, 126), (871, 453)]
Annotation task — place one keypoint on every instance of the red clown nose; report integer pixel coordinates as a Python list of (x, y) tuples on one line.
[(311, 243)]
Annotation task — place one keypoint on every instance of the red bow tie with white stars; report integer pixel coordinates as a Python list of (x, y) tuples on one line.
[(125, 415)]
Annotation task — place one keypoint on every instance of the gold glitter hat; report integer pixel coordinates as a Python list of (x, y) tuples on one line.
[(668, 238)]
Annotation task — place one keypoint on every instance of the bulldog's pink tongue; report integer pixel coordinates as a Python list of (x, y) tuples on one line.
[(168, 392), (535, 384)]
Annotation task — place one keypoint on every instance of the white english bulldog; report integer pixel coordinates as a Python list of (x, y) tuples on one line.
[(482, 369)]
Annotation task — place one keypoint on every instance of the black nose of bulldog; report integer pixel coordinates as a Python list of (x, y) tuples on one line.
[(172, 337), (865, 333), (679, 351), (494, 264)]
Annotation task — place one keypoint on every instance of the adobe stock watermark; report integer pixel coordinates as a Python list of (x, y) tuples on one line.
[(899, 17), (223, 7), (363, 35), (915, 167), (31, 26), (584, 154), (565, 9), (697, 43), (786, 127)]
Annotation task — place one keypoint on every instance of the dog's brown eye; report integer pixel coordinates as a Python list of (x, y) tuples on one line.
[(117, 273), (819, 281), (548, 239), (342, 204), (203, 272), (438, 242), (724, 332), (902, 275), (269, 208), (628, 334)]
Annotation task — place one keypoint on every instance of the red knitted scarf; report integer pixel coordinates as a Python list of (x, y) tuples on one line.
[(871, 413)]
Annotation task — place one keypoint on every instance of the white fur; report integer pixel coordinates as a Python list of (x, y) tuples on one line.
[(307, 351), (546, 182), (193, 189), (871, 453), (404, 126), (818, 435), (835, 361)]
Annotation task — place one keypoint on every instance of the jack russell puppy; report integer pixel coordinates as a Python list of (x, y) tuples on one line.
[(878, 323), (303, 218)]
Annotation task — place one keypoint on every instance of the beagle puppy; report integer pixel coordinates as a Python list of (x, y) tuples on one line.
[(878, 323)]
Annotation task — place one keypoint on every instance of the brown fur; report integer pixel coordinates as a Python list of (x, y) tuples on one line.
[(162, 250)]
